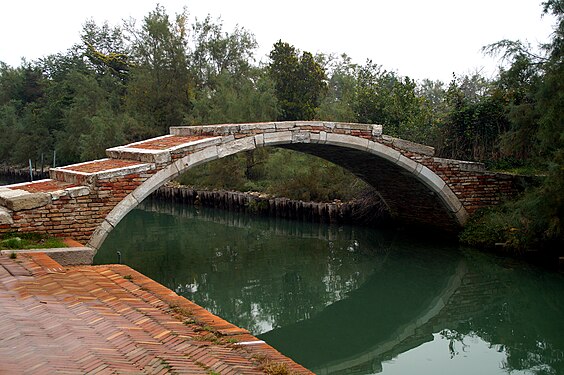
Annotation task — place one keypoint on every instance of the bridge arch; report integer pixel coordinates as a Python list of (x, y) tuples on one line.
[(405, 182)]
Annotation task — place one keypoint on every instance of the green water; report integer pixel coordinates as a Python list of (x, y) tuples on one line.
[(352, 300), (9, 179)]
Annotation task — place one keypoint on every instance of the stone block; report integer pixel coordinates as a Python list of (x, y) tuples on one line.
[(257, 127), (407, 164), (99, 235), (55, 195), (259, 140), (183, 131), (470, 166), (65, 256), (202, 156), (238, 145), (283, 137), (72, 256), (138, 154), (430, 178), (285, 125), (348, 141), (159, 178), (17, 200), (461, 216), (5, 217), (451, 200), (123, 171), (353, 126), (376, 130), (301, 137), (79, 191), (322, 137), (383, 151), (413, 147), (198, 145), (121, 209), (314, 137)]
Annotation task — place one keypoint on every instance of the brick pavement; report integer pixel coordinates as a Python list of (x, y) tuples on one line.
[(42, 186), (163, 143), (101, 165), (113, 320)]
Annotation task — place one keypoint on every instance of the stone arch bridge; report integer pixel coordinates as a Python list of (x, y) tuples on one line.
[(86, 201)]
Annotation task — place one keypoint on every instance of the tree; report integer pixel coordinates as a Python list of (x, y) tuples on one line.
[(105, 49), (160, 87), (534, 86), (337, 103), (475, 120), (228, 87), (383, 97), (299, 82), (215, 52)]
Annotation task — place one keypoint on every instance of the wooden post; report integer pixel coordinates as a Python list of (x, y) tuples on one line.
[(30, 171)]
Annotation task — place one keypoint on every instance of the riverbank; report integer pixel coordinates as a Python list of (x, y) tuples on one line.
[(14, 174), (368, 209)]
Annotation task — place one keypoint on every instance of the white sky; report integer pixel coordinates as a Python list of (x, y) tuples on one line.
[(417, 38)]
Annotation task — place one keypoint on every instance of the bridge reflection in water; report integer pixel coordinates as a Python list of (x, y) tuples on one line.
[(346, 300)]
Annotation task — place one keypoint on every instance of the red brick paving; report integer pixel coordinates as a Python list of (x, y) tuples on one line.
[(113, 320), (44, 186), (101, 165), (167, 142)]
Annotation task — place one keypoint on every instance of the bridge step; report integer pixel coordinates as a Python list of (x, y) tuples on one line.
[(161, 150), (29, 195), (87, 174)]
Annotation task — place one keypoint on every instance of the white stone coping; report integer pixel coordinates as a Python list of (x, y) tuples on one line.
[(245, 128), (18, 199), (158, 156), (65, 256), (248, 343), (107, 173), (466, 166), (410, 146)]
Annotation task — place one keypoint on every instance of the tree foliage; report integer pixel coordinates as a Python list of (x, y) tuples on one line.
[(299, 82), (533, 88)]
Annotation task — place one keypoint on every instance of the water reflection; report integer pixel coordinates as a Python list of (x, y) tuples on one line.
[(348, 299)]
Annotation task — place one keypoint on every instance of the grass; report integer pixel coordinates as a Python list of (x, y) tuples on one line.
[(270, 367), (29, 241)]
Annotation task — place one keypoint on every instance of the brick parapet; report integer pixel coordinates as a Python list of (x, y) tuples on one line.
[(78, 216), (473, 185)]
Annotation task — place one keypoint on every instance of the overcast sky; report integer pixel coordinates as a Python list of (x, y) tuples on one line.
[(417, 38)]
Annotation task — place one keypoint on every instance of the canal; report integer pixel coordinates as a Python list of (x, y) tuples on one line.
[(352, 300)]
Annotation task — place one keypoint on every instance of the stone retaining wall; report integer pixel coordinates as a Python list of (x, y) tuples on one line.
[(262, 204)]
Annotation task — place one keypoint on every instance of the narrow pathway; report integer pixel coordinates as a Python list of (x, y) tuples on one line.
[(113, 320)]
